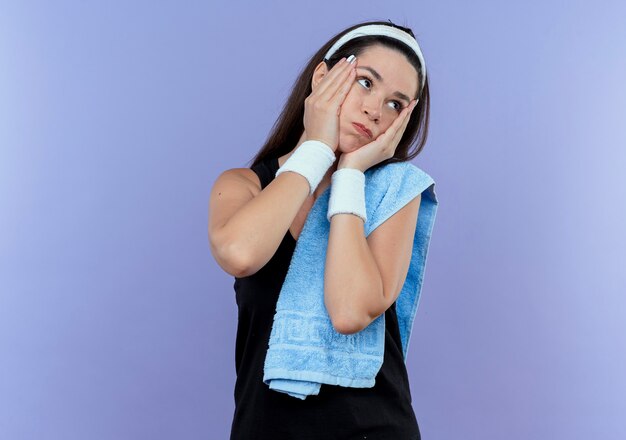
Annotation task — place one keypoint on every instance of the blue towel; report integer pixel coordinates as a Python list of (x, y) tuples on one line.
[(305, 350)]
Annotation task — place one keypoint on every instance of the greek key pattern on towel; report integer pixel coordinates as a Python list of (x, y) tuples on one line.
[(310, 330)]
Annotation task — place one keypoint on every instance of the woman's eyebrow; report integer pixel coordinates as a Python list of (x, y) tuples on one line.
[(380, 78)]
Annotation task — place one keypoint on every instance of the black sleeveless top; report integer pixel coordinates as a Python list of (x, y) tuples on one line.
[(336, 413)]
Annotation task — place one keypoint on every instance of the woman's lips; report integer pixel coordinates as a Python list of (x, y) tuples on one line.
[(361, 129)]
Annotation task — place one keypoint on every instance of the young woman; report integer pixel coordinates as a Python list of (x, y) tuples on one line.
[(352, 108)]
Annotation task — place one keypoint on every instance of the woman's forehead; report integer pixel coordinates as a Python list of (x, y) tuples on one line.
[(395, 71)]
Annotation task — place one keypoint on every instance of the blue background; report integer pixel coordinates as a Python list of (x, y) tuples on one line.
[(116, 118)]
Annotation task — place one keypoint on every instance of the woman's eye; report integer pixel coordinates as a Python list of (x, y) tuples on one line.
[(399, 107), (364, 79)]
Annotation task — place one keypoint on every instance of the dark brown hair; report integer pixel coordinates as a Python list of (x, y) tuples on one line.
[(289, 126)]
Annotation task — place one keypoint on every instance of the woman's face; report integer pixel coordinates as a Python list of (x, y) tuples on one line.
[(384, 84)]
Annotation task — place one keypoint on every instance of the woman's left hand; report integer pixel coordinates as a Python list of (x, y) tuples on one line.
[(381, 148)]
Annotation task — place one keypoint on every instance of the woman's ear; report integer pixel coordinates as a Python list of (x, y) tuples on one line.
[(320, 71)]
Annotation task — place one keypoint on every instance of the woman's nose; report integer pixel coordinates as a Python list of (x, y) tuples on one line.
[(372, 109)]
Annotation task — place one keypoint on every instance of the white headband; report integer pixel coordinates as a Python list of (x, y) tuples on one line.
[(380, 29)]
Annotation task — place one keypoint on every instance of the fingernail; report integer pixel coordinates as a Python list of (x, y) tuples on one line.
[(351, 59)]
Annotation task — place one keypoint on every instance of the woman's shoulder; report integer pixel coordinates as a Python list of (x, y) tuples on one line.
[(245, 176)]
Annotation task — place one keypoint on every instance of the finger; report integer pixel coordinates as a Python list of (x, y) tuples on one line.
[(405, 121), (401, 119), (407, 114), (337, 83), (344, 88), (327, 78), (396, 129), (333, 80), (409, 111)]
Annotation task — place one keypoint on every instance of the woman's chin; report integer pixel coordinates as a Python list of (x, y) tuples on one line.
[(350, 146)]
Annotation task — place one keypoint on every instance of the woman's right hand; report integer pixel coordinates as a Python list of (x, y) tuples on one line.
[(323, 105)]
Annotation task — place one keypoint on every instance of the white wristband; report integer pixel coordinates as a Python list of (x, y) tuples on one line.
[(347, 193), (311, 159)]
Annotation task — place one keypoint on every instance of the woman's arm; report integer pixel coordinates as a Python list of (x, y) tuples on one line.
[(245, 230), (363, 277), (246, 233)]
